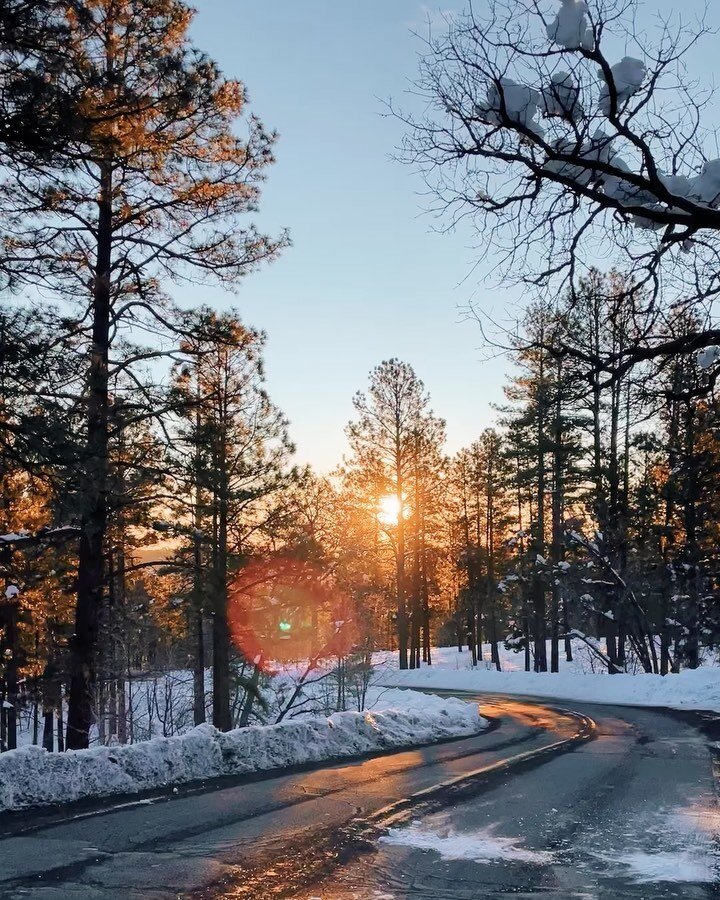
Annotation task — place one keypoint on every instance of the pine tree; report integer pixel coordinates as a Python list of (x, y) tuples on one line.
[(239, 457), (391, 419), (150, 182), (482, 502)]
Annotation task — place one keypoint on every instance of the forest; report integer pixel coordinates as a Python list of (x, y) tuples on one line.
[(160, 546), (586, 512)]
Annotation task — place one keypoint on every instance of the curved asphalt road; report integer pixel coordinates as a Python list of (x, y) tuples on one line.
[(609, 817)]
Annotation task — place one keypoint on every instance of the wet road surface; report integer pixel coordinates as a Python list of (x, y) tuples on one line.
[(603, 818), (631, 814)]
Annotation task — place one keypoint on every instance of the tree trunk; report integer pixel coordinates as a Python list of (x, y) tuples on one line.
[(566, 630), (199, 669), (694, 580), (11, 676), (100, 712), (121, 712), (425, 599), (91, 566), (196, 612), (472, 635), (538, 585), (48, 729), (539, 633), (557, 518), (221, 635), (249, 698), (60, 727), (112, 704), (402, 621), (494, 650), (415, 628), (51, 701)]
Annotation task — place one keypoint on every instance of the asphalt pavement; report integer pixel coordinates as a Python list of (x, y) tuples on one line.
[(583, 802)]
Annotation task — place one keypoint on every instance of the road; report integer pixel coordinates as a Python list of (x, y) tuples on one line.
[(543, 805)]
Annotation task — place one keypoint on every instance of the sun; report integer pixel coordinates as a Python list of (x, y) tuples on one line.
[(390, 509)]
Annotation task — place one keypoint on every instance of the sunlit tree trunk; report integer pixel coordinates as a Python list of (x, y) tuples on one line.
[(196, 606), (402, 619)]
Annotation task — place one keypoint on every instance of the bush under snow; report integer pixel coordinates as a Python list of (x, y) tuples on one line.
[(31, 776)]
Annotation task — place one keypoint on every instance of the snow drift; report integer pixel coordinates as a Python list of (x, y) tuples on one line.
[(690, 689), (31, 776)]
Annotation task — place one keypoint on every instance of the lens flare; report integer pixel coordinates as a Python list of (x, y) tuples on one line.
[(284, 609)]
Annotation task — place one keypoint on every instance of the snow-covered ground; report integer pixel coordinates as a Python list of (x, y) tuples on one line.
[(31, 776), (584, 661), (698, 689)]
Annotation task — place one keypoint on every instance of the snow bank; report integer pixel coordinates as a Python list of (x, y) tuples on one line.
[(31, 776), (690, 689)]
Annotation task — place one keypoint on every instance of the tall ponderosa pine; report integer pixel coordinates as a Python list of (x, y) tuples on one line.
[(424, 501), (480, 484), (238, 460), (383, 439), (531, 396), (150, 183)]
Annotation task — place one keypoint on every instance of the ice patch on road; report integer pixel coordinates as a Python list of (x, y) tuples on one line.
[(683, 851), (681, 866), (480, 846)]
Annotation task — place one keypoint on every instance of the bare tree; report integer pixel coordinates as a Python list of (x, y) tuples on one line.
[(558, 154)]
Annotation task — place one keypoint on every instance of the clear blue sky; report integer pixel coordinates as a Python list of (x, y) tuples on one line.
[(367, 278)]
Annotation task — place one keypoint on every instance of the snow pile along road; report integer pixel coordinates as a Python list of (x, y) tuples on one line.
[(31, 776), (690, 689)]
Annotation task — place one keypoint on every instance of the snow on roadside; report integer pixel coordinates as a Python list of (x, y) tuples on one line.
[(690, 689), (31, 776)]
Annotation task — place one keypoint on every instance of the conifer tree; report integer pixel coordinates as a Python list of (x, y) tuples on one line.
[(149, 184), (383, 439), (238, 461)]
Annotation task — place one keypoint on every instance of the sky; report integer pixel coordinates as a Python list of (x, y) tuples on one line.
[(369, 276)]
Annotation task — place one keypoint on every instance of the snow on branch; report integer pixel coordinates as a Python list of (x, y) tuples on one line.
[(570, 28), (593, 647), (627, 78), (26, 538)]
